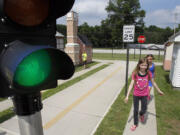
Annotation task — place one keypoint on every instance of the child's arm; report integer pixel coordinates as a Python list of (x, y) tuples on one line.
[(154, 71), (129, 90), (156, 87)]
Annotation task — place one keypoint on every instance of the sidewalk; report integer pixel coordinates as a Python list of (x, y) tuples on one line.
[(8, 103), (149, 127), (79, 109)]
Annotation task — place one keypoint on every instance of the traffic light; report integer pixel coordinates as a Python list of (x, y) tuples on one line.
[(29, 60)]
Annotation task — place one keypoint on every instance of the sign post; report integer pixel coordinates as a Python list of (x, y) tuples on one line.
[(128, 36), (141, 40)]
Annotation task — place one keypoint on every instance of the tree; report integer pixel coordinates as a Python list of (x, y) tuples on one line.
[(121, 12), (61, 29), (157, 35)]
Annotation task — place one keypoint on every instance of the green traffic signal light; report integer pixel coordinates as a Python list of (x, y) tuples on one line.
[(29, 60), (33, 69), (28, 68)]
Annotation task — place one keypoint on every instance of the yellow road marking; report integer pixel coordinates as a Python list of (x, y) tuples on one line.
[(78, 101)]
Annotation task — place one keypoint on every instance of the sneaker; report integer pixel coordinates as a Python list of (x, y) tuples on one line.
[(133, 127), (142, 118)]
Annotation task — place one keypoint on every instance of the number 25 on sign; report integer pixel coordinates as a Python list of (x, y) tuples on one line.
[(128, 33)]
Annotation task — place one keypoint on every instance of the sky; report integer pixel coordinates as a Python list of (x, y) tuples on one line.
[(162, 13)]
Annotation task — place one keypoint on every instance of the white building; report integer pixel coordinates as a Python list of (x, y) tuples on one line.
[(175, 62), (60, 41)]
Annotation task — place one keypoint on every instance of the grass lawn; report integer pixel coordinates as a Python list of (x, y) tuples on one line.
[(6, 114), (116, 56), (167, 109), (167, 106), (79, 68)]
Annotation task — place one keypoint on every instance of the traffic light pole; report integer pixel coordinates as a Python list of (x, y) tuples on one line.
[(27, 107), (30, 125)]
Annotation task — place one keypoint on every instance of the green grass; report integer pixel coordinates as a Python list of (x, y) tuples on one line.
[(1, 99), (79, 68), (8, 113), (167, 110), (115, 120), (167, 106), (109, 56)]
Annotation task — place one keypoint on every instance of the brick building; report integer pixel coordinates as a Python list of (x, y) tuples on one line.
[(76, 44), (85, 45)]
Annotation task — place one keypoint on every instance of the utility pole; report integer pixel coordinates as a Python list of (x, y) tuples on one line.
[(175, 22)]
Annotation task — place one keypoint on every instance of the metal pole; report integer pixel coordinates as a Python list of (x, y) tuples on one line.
[(159, 55), (31, 124), (27, 107), (127, 67), (134, 52), (112, 50)]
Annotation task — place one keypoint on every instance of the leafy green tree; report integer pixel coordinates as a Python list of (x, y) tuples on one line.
[(178, 28), (124, 12), (157, 35), (61, 29)]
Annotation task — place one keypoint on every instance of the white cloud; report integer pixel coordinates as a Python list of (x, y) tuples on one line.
[(90, 11), (163, 17), (177, 9), (93, 7), (93, 12)]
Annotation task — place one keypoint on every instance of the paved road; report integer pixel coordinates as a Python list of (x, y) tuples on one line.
[(8, 103), (131, 51), (79, 109)]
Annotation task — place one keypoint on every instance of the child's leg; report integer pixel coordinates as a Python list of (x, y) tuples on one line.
[(136, 109), (143, 105), (84, 64)]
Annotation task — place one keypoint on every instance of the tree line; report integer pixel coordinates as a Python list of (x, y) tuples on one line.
[(110, 32)]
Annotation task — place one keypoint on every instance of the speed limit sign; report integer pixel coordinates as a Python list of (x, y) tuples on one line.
[(128, 33)]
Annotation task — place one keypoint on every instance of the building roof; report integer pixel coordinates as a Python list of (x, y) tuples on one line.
[(59, 34), (154, 47), (147, 46), (85, 40), (174, 38)]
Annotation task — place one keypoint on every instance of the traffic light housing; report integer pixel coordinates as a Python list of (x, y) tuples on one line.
[(29, 60)]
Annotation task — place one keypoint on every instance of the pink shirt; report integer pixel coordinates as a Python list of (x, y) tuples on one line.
[(141, 84)]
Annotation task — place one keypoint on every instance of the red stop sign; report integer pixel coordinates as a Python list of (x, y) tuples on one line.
[(141, 39)]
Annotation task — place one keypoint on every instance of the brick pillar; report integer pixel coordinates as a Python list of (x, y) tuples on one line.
[(72, 47)]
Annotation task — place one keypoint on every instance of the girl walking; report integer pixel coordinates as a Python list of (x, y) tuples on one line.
[(150, 59), (140, 81)]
